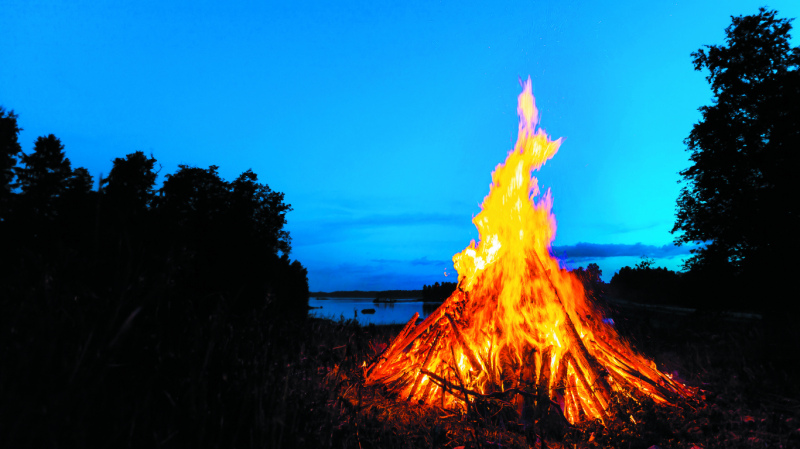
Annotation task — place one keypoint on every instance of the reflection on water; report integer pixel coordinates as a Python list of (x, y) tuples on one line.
[(385, 313), (429, 307)]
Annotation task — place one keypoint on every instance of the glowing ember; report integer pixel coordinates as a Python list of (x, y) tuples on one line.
[(518, 322)]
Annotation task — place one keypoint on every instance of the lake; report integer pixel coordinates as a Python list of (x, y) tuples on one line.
[(385, 313)]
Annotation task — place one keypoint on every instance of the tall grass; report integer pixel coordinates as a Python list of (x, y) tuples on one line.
[(134, 360)]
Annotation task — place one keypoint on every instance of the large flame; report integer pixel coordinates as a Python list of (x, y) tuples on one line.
[(518, 323)]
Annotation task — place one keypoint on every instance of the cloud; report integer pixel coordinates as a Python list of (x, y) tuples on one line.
[(583, 250)]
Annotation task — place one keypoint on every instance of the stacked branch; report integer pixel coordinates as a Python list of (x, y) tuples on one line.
[(449, 359), (518, 327)]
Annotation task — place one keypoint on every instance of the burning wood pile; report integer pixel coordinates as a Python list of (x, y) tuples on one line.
[(519, 326)]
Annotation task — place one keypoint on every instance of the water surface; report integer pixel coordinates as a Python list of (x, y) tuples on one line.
[(385, 313)]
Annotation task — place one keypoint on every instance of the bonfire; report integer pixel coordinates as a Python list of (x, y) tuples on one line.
[(519, 326)]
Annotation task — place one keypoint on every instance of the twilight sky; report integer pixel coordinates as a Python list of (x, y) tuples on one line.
[(382, 122)]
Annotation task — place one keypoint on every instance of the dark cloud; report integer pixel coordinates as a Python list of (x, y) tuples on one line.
[(584, 250)]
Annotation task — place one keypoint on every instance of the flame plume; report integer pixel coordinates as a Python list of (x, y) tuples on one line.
[(518, 323)]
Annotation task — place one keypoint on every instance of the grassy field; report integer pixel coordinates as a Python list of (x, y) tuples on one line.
[(257, 381), (748, 395)]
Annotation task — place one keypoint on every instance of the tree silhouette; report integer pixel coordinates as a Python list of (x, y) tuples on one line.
[(44, 177), (129, 186), (740, 195), (9, 150), (79, 182), (193, 197), (258, 204), (77, 194), (232, 235), (590, 277), (647, 284), (438, 292)]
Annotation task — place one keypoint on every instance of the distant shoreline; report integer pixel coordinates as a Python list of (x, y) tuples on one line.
[(386, 294)]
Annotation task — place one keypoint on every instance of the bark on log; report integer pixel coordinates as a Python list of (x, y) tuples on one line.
[(424, 365), (435, 316), (594, 406), (587, 362), (473, 360), (572, 392), (543, 385), (389, 352)]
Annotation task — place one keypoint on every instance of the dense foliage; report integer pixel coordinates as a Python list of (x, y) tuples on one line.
[(438, 292), (647, 284), (740, 193), (136, 316), (591, 279), (9, 151)]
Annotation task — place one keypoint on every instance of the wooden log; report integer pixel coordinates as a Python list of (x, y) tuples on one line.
[(527, 378), (434, 317), (587, 362), (647, 386), (588, 399), (670, 391), (423, 398), (398, 374), (530, 368), (424, 365), (543, 385), (673, 388), (393, 347), (510, 368), (576, 408), (559, 384), (473, 360), (460, 382), (443, 390), (560, 381), (438, 380)]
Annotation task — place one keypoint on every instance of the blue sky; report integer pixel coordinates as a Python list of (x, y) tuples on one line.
[(382, 122)]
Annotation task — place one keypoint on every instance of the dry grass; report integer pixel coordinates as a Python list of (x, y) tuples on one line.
[(747, 398), (221, 380)]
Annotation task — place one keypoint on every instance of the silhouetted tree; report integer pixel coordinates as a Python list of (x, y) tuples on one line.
[(44, 176), (740, 193), (193, 197), (646, 263), (128, 188), (9, 151), (79, 182), (233, 237), (647, 284), (438, 292), (255, 203), (590, 277), (76, 197), (159, 299)]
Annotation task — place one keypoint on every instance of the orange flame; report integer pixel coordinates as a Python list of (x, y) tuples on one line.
[(518, 322)]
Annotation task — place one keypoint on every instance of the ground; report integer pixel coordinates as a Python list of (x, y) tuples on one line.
[(747, 394)]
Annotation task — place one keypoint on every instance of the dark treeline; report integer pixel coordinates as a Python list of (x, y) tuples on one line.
[(590, 277), (438, 292), (384, 294), (132, 316), (648, 284)]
